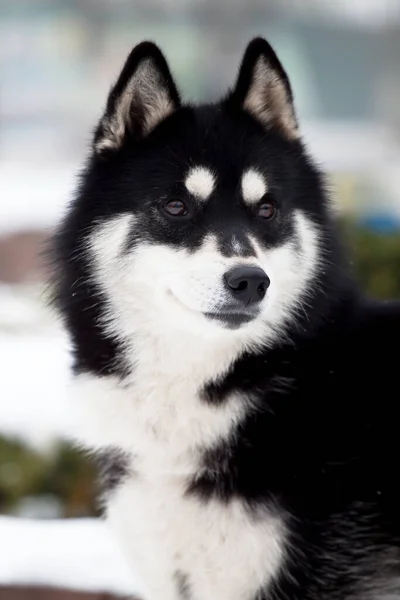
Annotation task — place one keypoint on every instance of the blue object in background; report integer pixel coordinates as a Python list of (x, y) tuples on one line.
[(381, 222)]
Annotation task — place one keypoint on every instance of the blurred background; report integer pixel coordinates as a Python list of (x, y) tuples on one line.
[(58, 59)]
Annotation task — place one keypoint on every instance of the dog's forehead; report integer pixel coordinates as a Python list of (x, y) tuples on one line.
[(210, 156), (219, 154)]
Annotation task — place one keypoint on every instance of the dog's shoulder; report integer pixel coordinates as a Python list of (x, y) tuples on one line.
[(376, 331), (378, 314)]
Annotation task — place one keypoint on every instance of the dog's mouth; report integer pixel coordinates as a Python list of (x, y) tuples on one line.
[(228, 316), (232, 320)]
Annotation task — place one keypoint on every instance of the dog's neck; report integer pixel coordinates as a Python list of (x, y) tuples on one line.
[(183, 358), (158, 413)]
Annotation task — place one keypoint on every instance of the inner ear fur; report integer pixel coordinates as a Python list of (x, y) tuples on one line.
[(263, 89)]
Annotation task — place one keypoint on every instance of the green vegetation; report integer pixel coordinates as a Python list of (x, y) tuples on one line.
[(376, 261), (63, 476)]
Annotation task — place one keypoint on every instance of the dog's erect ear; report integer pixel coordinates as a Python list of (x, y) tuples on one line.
[(263, 89), (144, 95)]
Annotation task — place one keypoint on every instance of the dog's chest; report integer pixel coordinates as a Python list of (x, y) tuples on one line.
[(186, 548), (182, 547)]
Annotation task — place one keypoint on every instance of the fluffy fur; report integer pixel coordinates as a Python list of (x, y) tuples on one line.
[(237, 387)]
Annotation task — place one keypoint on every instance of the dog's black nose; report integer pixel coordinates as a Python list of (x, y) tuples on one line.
[(247, 284)]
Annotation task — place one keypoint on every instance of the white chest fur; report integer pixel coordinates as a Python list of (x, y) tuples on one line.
[(183, 548), (174, 542)]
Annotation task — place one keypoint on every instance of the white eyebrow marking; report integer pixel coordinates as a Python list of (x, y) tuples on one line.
[(236, 245), (200, 182), (254, 186)]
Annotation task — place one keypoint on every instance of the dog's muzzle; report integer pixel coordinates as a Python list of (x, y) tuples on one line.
[(247, 287)]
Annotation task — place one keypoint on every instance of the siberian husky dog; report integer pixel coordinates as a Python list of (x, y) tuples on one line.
[(239, 388)]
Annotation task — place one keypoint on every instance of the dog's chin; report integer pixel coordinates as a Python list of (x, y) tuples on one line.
[(231, 320), (228, 319)]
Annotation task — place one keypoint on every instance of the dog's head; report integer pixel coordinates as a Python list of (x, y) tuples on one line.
[(203, 221)]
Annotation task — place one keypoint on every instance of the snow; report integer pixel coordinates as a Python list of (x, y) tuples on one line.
[(78, 554), (33, 388), (35, 370), (69, 553)]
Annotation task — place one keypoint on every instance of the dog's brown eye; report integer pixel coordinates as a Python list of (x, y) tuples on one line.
[(267, 210), (175, 208)]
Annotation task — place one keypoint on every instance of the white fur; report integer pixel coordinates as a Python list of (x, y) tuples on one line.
[(200, 182), (156, 296), (162, 293), (236, 245), (254, 186), (154, 414), (290, 270), (226, 553)]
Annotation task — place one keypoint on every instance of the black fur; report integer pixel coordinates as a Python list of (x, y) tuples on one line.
[(182, 582), (323, 447), (113, 467)]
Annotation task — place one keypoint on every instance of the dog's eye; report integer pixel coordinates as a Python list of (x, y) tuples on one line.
[(267, 210), (175, 208)]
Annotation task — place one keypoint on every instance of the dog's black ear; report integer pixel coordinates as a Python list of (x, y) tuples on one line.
[(263, 89), (143, 95)]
